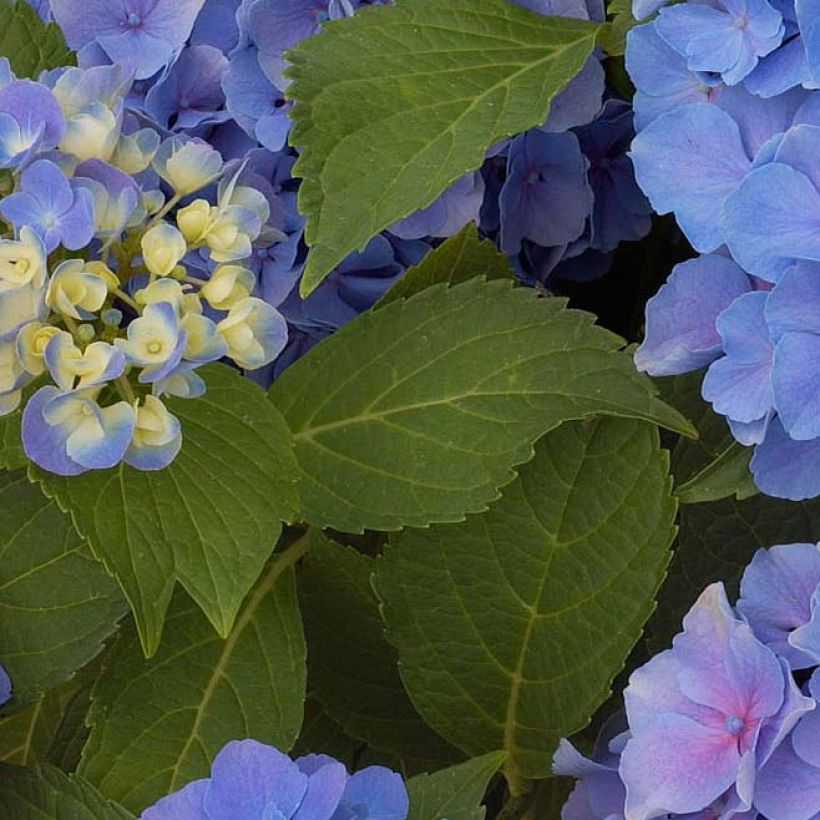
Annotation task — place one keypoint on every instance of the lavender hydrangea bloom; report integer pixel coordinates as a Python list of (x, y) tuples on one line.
[(725, 37), (705, 716), (251, 780), (146, 33), (190, 92), (216, 25), (31, 120), (779, 596), (681, 331), (789, 784), (61, 213)]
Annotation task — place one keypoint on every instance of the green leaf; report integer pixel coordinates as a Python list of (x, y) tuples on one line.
[(321, 734), (456, 260), (157, 724), (511, 626), (613, 34), (26, 737), (417, 412), (415, 94), (30, 45), (210, 520), (48, 794), (57, 604), (72, 733), (728, 475), (455, 793), (715, 543), (12, 456), (353, 670)]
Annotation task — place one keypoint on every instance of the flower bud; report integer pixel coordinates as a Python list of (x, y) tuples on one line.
[(255, 333), (163, 246), (79, 289), (23, 261), (31, 345), (92, 134), (194, 220), (187, 166), (228, 285)]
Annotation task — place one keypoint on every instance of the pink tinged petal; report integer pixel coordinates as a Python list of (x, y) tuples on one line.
[(185, 804), (681, 332), (676, 765), (247, 777), (767, 234), (788, 787), (687, 162)]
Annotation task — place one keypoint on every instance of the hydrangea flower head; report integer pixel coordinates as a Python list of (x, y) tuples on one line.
[(31, 120), (250, 781), (146, 33), (705, 716)]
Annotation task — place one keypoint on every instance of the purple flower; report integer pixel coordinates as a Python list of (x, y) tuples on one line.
[(69, 433), (725, 37), (681, 331), (457, 206), (705, 716), (61, 213), (251, 780), (146, 33), (216, 25), (31, 120), (255, 103), (190, 93), (779, 595), (789, 784), (5, 686), (546, 197)]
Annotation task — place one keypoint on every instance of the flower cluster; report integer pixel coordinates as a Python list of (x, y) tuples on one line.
[(728, 120), (249, 779), (163, 227), (718, 726), (557, 199)]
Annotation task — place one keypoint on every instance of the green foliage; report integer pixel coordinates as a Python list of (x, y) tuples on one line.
[(458, 259), (30, 45), (12, 456), (353, 670), (715, 543), (511, 626), (72, 733), (57, 604), (418, 412), (613, 35), (415, 93), (157, 724), (48, 794), (27, 737), (455, 793), (210, 520), (728, 475)]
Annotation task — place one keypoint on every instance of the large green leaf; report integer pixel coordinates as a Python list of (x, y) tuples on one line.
[(157, 724), (461, 257), (12, 456), (715, 543), (353, 670), (396, 104), (26, 737), (30, 45), (57, 604), (210, 520), (48, 794), (455, 793), (417, 412), (511, 626)]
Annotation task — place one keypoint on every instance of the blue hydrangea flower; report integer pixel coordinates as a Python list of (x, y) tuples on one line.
[(157, 436), (217, 26), (70, 433), (5, 686), (189, 94), (146, 33), (546, 197), (155, 342), (779, 597), (706, 716), (251, 780), (681, 319), (725, 37), (31, 120), (62, 213)]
